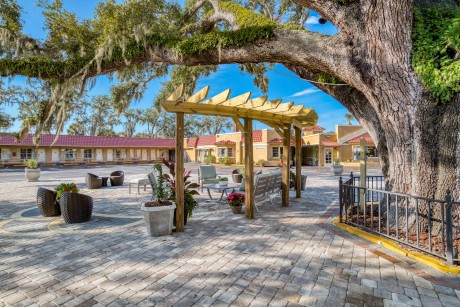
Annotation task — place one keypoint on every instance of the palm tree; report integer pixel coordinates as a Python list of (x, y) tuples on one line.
[(349, 117)]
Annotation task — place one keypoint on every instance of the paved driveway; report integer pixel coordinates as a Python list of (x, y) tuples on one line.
[(286, 256)]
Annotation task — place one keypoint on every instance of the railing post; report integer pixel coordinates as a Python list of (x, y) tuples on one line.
[(340, 200), (449, 247)]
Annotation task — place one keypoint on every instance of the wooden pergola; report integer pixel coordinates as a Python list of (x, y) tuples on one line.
[(279, 116)]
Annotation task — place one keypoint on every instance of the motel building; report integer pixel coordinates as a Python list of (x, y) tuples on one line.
[(318, 148), (77, 149)]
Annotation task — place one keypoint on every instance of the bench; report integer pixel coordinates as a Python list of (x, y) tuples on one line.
[(265, 185)]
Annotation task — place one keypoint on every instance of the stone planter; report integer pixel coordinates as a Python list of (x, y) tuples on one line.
[(32, 174), (237, 209), (302, 184), (237, 178), (159, 220), (337, 169)]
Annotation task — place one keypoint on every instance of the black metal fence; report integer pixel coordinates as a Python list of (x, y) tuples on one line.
[(424, 224)]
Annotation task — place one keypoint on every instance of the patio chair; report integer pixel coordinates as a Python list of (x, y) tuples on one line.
[(206, 175), (117, 178), (93, 181), (46, 202), (76, 207)]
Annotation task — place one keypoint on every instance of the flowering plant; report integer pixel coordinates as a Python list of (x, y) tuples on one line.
[(235, 199), (66, 187)]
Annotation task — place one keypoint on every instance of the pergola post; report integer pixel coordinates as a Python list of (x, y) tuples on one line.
[(179, 172), (248, 168), (298, 161), (286, 155)]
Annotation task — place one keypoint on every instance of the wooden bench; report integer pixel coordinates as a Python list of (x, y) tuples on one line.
[(265, 185)]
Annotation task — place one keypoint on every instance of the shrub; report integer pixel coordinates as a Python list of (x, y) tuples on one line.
[(235, 199), (261, 162), (224, 160), (32, 163), (208, 159)]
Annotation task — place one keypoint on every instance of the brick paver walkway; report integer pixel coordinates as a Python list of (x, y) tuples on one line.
[(287, 256)]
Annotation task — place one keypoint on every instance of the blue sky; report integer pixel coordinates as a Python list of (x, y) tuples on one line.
[(289, 88)]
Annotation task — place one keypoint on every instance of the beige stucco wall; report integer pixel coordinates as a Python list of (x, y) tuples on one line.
[(344, 130)]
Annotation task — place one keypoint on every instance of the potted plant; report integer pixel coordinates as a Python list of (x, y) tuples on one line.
[(190, 203), (65, 187), (159, 214), (223, 181), (337, 168), (32, 170), (236, 200)]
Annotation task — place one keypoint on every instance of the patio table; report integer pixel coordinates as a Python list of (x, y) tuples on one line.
[(221, 189)]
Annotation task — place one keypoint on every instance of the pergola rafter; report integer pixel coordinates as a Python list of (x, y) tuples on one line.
[(279, 116)]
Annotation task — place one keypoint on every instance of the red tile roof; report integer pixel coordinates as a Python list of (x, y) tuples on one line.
[(204, 140), (225, 142), (280, 141), (330, 144), (90, 141), (367, 138), (314, 128), (256, 136)]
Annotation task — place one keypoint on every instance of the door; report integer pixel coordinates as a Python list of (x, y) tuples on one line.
[(153, 154), (172, 155), (328, 156), (109, 154), (41, 155), (55, 155), (99, 155), (144, 155)]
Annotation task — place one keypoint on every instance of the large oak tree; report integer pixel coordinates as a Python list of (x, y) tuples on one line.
[(399, 59)]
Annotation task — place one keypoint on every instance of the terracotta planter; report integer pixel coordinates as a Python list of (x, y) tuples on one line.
[(237, 209), (32, 174), (159, 220)]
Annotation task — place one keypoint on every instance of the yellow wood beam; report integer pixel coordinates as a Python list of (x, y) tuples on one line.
[(199, 96), (256, 102), (237, 101), (177, 94), (269, 105), (219, 98)]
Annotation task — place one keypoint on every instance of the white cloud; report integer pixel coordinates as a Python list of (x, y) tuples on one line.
[(308, 91), (312, 20)]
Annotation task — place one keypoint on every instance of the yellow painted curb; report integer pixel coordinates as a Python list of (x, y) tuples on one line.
[(395, 247)]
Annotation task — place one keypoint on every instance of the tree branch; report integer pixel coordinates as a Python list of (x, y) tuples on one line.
[(299, 48), (331, 10)]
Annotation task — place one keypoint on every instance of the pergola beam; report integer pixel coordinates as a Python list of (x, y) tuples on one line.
[(285, 182), (298, 162), (248, 168)]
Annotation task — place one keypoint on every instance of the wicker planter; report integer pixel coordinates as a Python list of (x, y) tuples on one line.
[(237, 209), (159, 220), (185, 216), (32, 174), (46, 202), (76, 208)]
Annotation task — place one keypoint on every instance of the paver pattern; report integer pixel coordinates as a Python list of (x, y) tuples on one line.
[(285, 257)]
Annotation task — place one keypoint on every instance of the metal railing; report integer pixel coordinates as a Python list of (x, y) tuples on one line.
[(424, 224)]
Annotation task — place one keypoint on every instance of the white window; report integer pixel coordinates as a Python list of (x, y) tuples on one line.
[(230, 152), (69, 154), (88, 154), (277, 152), (26, 153), (120, 153), (221, 152)]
